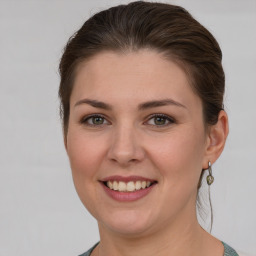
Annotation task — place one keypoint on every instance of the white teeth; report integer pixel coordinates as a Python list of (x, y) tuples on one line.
[(110, 184), (128, 187), (115, 185), (121, 186), (138, 185)]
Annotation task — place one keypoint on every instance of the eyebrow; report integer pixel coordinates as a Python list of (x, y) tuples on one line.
[(159, 103), (142, 106), (94, 103)]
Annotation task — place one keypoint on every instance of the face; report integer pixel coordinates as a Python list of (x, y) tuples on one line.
[(136, 141)]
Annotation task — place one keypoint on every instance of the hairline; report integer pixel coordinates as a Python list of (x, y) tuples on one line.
[(168, 55)]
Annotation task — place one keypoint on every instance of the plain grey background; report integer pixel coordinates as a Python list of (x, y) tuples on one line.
[(40, 213)]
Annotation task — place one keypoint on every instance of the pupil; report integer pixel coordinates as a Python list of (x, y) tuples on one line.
[(159, 120), (98, 120)]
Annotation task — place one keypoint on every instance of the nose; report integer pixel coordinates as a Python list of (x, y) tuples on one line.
[(125, 147)]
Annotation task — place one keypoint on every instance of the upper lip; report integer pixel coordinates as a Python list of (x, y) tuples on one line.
[(126, 179)]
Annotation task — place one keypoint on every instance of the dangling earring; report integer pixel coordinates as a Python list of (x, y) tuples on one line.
[(210, 178)]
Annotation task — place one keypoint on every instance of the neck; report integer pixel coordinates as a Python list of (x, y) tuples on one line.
[(179, 238)]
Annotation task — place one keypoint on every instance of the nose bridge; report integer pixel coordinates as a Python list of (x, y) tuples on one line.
[(125, 144)]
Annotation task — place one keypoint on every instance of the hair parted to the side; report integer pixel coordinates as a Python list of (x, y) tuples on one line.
[(167, 29)]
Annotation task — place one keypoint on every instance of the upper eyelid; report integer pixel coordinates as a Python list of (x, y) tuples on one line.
[(161, 115), (93, 115)]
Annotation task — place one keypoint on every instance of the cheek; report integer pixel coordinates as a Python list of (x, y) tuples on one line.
[(178, 156), (178, 159), (85, 156)]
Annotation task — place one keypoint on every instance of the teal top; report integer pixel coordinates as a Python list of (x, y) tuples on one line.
[(228, 251)]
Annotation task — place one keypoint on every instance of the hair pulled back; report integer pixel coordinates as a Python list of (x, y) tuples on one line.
[(165, 28)]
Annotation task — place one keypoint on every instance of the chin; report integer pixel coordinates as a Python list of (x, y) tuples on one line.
[(127, 223)]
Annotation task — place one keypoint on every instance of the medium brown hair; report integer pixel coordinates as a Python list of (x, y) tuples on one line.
[(165, 28)]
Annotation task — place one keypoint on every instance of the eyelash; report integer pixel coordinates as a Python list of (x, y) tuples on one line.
[(85, 120), (166, 117)]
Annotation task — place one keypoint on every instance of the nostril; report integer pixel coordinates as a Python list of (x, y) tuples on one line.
[(125, 147)]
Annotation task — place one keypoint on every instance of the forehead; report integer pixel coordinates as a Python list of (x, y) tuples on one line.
[(142, 75)]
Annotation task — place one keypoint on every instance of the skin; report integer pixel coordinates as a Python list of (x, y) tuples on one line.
[(129, 141)]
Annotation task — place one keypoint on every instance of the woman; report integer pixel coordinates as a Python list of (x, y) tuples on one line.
[(142, 107)]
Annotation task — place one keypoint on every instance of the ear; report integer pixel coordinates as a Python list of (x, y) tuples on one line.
[(216, 139)]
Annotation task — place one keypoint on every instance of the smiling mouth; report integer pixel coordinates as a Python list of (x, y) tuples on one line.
[(130, 186)]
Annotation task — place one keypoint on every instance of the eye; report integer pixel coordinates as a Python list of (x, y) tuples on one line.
[(94, 120), (160, 120)]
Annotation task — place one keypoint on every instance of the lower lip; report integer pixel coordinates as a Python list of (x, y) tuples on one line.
[(127, 196)]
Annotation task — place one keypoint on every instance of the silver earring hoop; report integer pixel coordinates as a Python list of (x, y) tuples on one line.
[(210, 178)]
